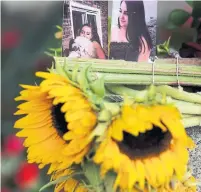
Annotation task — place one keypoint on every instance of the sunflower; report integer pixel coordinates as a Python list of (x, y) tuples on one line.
[(145, 146), (58, 122), (70, 184)]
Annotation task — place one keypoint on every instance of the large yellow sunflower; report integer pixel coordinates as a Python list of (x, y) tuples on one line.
[(58, 122), (145, 145)]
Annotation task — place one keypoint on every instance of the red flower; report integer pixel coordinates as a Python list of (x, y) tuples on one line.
[(10, 39), (27, 175), (12, 145)]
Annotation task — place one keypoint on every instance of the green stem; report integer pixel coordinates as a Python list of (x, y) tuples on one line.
[(119, 66), (188, 108), (192, 121), (138, 96), (137, 79), (179, 94), (185, 107)]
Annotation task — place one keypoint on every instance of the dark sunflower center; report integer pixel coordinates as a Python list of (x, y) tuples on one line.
[(150, 143), (58, 119)]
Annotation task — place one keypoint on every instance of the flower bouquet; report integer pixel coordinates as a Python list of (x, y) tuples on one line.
[(97, 134)]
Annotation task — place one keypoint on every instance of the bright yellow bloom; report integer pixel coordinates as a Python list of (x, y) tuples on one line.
[(70, 184), (58, 122), (58, 35), (146, 144)]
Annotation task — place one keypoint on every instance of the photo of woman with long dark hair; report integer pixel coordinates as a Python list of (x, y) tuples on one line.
[(130, 38), (86, 44), (85, 33)]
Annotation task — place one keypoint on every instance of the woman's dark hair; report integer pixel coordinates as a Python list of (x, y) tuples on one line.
[(137, 28), (95, 36)]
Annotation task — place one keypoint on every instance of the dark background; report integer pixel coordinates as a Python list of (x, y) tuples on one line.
[(27, 31)]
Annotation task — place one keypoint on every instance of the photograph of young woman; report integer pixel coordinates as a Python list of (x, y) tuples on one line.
[(130, 38), (88, 43), (85, 29)]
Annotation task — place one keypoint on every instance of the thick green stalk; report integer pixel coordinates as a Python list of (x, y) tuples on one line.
[(192, 121), (187, 108), (184, 107), (179, 94), (147, 79), (120, 66)]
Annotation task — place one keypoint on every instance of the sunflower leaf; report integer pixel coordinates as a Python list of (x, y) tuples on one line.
[(92, 172), (109, 181), (98, 87)]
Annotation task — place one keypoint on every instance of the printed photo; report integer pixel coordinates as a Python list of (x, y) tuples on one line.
[(85, 29), (180, 23), (133, 33)]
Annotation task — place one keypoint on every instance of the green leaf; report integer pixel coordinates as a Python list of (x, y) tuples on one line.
[(190, 2), (167, 43), (92, 172), (197, 9), (98, 87), (164, 48), (171, 26), (55, 49), (178, 17), (59, 27), (49, 54), (109, 181)]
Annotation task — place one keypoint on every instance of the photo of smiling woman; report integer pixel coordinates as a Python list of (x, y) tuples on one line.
[(86, 44), (85, 27), (130, 37)]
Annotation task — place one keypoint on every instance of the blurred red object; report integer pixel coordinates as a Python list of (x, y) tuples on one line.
[(27, 175), (12, 145), (10, 39)]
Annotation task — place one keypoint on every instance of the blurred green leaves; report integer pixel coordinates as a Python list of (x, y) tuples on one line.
[(177, 18)]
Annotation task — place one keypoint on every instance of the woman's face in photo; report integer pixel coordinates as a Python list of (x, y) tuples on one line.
[(123, 15), (86, 32)]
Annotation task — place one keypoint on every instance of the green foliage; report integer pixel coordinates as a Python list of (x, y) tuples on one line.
[(190, 2), (177, 18), (92, 173), (164, 48)]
